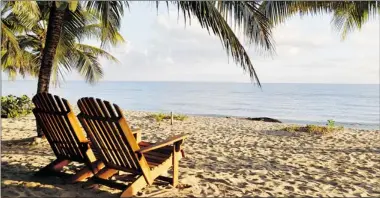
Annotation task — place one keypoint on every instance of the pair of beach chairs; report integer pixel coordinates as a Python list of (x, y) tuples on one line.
[(111, 145)]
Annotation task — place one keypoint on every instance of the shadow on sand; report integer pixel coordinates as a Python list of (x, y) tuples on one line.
[(21, 182)]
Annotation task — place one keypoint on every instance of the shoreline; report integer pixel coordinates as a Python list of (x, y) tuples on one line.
[(350, 125)]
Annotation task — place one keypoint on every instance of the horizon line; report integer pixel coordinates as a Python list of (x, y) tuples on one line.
[(175, 81)]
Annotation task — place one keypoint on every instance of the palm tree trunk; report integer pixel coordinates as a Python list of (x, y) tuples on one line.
[(56, 19)]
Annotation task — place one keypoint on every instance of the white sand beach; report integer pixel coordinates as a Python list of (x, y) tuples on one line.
[(224, 157)]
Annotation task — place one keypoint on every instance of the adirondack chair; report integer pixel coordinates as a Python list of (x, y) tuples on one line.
[(111, 135), (65, 136)]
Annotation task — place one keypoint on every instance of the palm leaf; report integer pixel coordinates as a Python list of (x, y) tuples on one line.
[(347, 15), (110, 13), (210, 18)]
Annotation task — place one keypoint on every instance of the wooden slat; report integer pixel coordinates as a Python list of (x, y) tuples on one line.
[(53, 129), (49, 128), (155, 158), (71, 125), (94, 140), (75, 133), (115, 136), (51, 121), (110, 137), (86, 124), (127, 136), (98, 137), (108, 144), (120, 139), (48, 135), (79, 135), (64, 127), (170, 141), (108, 134)]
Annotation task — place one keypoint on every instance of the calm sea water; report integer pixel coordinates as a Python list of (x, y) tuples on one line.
[(354, 106)]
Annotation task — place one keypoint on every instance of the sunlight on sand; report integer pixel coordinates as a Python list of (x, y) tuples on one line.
[(224, 157)]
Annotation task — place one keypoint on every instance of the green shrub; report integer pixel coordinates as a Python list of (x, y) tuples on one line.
[(330, 123), (292, 128), (13, 106), (161, 116), (314, 129)]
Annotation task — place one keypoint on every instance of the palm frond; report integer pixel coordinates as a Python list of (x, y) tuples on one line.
[(27, 12), (110, 13), (349, 16), (8, 38), (96, 51), (210, 18), (247, 16), (88, 66), (96, 31)]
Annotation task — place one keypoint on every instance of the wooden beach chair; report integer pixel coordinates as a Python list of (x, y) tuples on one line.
[(65, 136), (111, 135)]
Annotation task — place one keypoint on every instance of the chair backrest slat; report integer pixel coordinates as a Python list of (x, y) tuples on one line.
[(60, 126), (120, 157), (102, 141), (103, 127)]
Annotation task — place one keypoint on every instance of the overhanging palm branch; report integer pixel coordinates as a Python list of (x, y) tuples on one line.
[(109, 14), (350, 16), (212, 16), (347, 15)]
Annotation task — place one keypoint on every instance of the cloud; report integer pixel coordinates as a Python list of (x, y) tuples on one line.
[(308, 50), (161, 47)]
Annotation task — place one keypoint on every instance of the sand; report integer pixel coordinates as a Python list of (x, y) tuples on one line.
[(224, 157)]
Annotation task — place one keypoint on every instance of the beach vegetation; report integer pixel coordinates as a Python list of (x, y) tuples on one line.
[(162, 116), (314, 129), (330, 123), (13, 106)]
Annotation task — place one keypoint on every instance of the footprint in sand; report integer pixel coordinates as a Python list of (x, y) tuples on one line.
[(289, 188)]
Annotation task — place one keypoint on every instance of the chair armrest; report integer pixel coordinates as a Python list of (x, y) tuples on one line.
[(167, 142)]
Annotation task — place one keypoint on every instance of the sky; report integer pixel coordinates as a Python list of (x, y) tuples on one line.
[(160, 47)]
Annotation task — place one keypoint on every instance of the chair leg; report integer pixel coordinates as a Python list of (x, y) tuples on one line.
[(175, 169), (81, 175), (106, 173), (54, 167), (86, 172), (135, 187)]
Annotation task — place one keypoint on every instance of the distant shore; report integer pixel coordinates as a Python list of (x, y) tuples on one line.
[(225, 157)]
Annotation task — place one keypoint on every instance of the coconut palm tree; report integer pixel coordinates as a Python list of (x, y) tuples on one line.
[(108, 12), (82, 57), (25, 44)]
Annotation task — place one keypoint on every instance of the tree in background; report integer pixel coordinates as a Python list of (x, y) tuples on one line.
[(28, 46), (79, 56)]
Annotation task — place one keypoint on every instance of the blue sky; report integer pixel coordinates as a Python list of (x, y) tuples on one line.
[(160, 48)]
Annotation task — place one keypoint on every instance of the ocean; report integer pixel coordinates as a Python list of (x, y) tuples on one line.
[(350, 105)]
